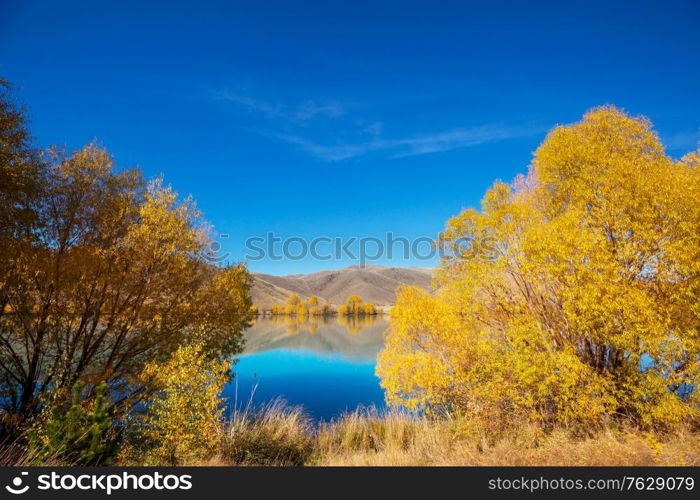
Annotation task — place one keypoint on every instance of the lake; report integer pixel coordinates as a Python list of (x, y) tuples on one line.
[(324, 364)]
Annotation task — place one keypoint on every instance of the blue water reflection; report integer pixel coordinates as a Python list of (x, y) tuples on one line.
[(326, 365)]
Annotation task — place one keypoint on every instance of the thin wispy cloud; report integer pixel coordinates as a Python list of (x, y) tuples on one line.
[(310, 110), (307, 110), (354, 137), (335, 152), (459, 138), (411, 146)]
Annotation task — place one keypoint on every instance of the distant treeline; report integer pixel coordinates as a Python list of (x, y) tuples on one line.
[(294, 306)]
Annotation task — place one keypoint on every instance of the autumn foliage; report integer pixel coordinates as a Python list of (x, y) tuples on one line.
[(297, 307), (588, 307), (185, 415), (103, 272), (354, 306)]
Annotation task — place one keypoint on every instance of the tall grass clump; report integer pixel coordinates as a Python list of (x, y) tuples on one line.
[(17, 453), (367, 429), (270, 434)]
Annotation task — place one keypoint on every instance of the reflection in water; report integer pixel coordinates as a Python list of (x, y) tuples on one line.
[(294, 324), (325, 364), (355, 324), (348, 337)]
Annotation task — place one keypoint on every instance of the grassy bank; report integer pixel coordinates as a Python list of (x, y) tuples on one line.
[(280, 435)]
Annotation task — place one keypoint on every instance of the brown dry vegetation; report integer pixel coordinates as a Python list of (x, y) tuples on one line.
[(280, 435)]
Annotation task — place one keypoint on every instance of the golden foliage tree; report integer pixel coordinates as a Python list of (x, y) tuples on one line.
[(354, 306), (586, 305), (184, 418), (352, 301), (102, 272), (296, 307)]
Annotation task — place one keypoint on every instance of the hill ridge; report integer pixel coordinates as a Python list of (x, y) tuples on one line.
[(375, 284)]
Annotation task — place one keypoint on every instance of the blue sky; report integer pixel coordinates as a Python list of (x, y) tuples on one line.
[(342, 119)]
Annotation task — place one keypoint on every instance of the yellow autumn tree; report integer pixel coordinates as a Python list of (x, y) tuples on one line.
[(582, 302), (105, 273), (101, 273), (296, 307), (354, 306), (183, 419), (368, 309)]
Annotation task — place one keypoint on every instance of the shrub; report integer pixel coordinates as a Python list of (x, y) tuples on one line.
[(183, 419), (82, 435)]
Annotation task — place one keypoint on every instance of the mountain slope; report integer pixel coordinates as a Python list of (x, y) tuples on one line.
[(375, 284)]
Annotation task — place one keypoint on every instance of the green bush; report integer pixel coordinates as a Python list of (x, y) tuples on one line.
[(82, 435)]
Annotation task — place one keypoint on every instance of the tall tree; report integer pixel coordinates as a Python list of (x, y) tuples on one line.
[(588, 305), (106, 274)]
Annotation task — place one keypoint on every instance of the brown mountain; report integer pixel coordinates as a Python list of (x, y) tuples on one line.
[(375, 284)]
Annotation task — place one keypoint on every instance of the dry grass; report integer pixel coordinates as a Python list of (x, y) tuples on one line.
[(18, 455), (281, 435), (274, 434), (395, 438)]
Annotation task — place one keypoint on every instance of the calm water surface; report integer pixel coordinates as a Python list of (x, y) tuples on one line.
[(325, 364)]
